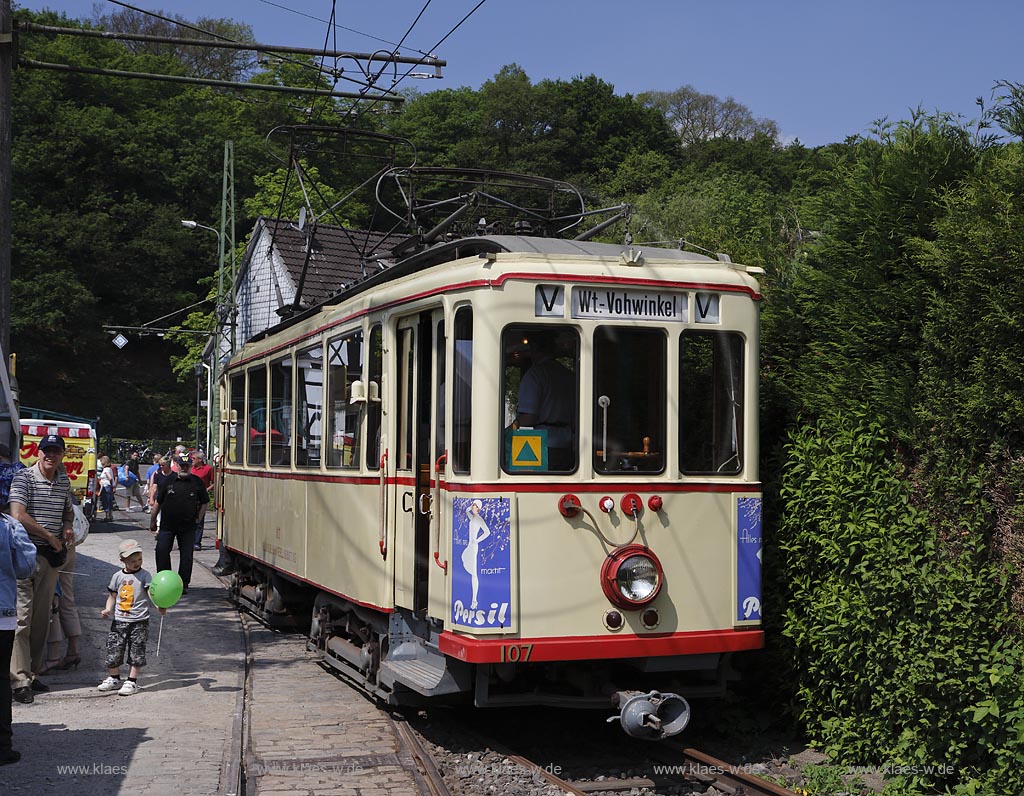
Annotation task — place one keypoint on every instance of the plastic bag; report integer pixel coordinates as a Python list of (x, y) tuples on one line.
[(81, 524)]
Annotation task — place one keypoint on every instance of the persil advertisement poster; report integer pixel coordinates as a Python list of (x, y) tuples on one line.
[(748, 559), (481, 567)]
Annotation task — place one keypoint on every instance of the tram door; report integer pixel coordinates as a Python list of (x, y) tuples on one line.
[(417, 376)]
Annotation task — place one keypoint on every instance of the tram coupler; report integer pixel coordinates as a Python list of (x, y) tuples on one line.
[(652, 716)]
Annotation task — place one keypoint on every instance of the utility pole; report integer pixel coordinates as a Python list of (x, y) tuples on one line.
[(225, 311), (221, 344), (6, 64)]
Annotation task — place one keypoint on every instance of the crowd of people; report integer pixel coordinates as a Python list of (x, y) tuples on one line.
[(38, 612)]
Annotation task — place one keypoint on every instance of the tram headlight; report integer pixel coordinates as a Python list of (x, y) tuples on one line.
[(631, 576)]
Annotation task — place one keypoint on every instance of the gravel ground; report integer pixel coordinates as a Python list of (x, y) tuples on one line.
[(579, 747)]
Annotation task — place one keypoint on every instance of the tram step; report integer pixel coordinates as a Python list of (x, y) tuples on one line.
[(427, 677)]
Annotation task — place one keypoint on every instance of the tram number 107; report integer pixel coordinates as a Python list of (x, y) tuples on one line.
[(516, 653)]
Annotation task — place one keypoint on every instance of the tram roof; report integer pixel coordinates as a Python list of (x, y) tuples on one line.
[(467, 247), (496, 244), (490, 244)]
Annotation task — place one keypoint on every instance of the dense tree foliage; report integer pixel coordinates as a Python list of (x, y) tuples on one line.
[(897, 530), (892, 375), (104, 169), (570, 130), (902, 650), (862, 292)]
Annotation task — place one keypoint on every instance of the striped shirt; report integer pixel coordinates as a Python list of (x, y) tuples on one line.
[(45, 501)]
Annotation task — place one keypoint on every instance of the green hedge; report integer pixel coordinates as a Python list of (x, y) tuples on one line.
[(904, 647)]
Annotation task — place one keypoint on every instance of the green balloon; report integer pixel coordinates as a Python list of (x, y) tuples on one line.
[(165, 588)]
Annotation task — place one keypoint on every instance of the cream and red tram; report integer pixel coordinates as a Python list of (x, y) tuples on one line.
[(375, 479)]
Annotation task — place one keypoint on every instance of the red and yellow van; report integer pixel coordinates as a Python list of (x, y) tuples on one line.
[(79, 454)]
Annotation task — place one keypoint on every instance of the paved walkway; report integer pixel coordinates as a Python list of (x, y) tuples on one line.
[(177, 735), (306, 732)]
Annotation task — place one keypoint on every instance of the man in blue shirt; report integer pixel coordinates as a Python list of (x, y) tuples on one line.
[(7, 471)]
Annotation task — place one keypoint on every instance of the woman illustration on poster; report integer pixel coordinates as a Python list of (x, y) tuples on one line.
[(478, 531)]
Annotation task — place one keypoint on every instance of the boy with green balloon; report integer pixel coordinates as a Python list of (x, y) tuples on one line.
[(128, 606)]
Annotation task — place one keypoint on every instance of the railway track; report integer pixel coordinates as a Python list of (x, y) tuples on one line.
[(711, 771), (686, 765), (667, 767), (281, 744), (526, 753)]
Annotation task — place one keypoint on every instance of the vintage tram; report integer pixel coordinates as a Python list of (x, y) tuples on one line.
[(379, 479)]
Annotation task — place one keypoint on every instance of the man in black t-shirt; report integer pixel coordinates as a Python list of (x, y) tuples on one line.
[(180, 504)]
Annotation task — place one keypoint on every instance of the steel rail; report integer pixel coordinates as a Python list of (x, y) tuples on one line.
[(711, 771), (431, 781)]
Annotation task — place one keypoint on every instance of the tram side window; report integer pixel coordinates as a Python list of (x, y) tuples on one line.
[(280, 411), (540, 391), (440, 443), (345, 367), (236, 441), (309, 391), (404, 388), (711, 402), (629, 400), (256, 413), (375, 371), (462, 391)]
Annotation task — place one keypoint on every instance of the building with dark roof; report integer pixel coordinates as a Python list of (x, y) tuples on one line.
[(287, 269)]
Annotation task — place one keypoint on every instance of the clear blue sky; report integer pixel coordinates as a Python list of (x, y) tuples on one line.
[(822, 69)]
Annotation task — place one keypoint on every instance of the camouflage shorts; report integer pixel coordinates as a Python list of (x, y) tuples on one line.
[(127, 640)]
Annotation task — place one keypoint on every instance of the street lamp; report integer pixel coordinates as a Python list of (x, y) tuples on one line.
[(209, 408), (197, 225), (199, 375), (220, 261)]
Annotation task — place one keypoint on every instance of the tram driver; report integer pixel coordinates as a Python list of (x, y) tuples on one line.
[(547, 400)]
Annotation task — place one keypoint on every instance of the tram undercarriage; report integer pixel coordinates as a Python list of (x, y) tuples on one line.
[(394, 658)]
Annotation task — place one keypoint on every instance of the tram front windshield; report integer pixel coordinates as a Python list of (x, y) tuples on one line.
[(637, 396), (629, 400)]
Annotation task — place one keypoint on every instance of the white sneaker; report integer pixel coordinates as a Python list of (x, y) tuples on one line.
[(128, 689), (110, 684)]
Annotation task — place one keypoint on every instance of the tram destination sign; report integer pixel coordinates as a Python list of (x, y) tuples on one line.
[(631, 305)]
